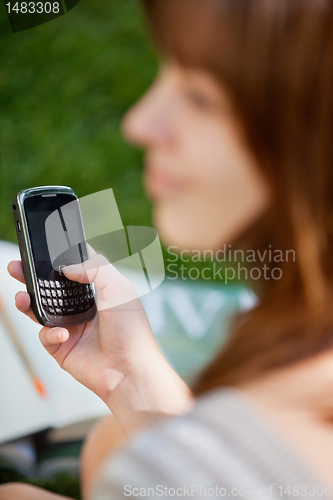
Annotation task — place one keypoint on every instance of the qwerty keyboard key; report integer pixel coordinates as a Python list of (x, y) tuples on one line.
[(74, 297), (70, 310)]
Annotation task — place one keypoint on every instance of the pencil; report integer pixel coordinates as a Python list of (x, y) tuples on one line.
[(9, 326)]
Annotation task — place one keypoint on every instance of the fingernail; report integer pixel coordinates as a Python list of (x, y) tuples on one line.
[(57, 333), (73, 267)]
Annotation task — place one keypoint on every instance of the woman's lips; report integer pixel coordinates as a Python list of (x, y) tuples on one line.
[(160, 184)]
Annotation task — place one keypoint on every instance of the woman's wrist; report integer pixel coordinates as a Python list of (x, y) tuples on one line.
[(147, 394)]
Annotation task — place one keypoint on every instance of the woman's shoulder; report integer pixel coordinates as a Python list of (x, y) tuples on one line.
[(221, 445)]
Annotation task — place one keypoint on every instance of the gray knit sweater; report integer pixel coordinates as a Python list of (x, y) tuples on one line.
[(221, 449)]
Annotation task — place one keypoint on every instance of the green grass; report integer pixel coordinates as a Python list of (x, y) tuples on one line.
[(64, 87), (62, 484)]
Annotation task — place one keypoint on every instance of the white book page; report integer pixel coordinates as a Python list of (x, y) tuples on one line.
[(22, 410)]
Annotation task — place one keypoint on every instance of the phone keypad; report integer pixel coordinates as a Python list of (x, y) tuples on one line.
[(66, 297)]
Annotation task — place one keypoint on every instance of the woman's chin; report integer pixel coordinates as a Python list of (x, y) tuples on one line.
[(177, 232)]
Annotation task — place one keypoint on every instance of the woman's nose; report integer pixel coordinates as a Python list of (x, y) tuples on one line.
[(148, 122)]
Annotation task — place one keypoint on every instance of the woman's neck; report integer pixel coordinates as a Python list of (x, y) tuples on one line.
[(304, 388)]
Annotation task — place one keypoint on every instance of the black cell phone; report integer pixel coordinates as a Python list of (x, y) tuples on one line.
[(50, 235)]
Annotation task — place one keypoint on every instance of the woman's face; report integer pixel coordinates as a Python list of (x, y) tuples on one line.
[(204, 182)]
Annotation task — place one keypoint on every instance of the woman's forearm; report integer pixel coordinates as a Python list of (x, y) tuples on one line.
[(139, 400), (150, 394)]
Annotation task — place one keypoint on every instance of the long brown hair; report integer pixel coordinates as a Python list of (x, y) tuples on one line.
[(275, 58)]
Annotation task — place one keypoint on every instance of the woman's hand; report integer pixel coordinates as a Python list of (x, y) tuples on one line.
[(115, 355)]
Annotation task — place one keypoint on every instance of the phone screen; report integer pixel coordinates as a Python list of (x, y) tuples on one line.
[(38, 209)]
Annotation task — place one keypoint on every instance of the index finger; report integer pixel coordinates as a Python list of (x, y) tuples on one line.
[(15, 269)]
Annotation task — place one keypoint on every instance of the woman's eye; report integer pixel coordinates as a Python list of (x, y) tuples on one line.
[(200, 100)]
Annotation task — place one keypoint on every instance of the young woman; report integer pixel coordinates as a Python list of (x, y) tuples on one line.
[(237, 130)]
